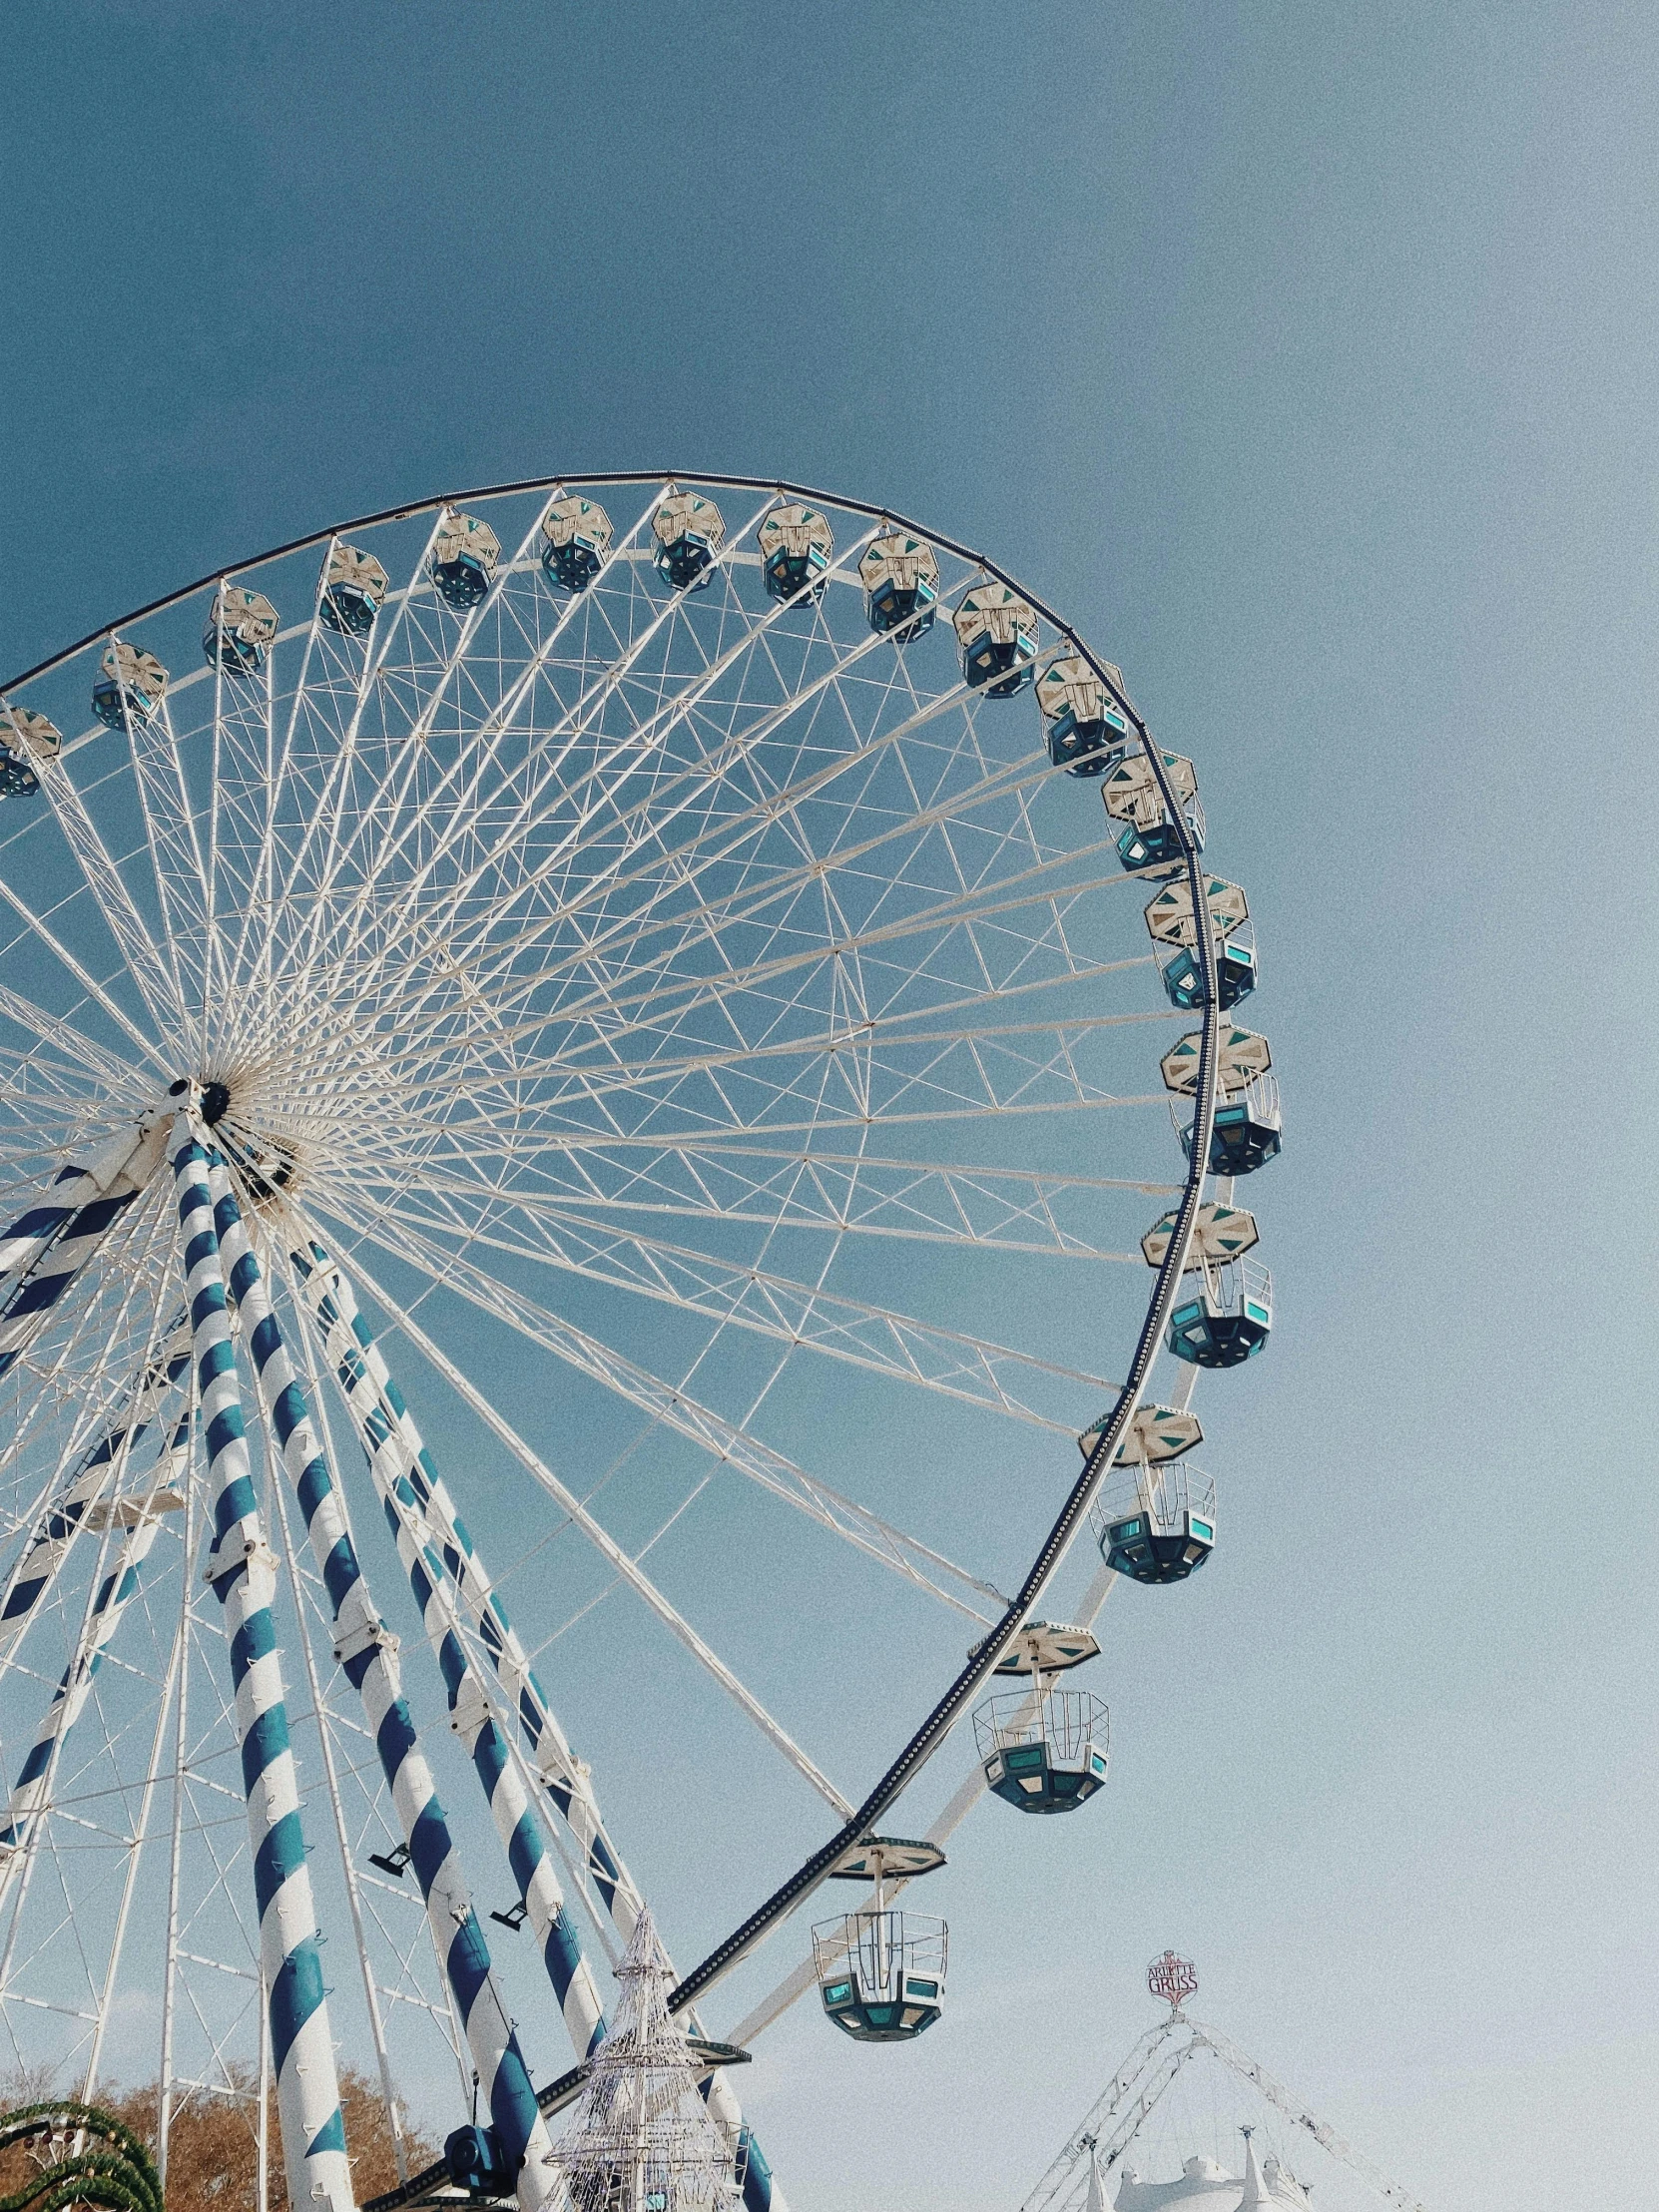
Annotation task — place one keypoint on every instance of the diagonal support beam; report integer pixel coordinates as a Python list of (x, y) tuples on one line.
[(375, 1400), (367, 1653), (47, 1549), (242, 1569), (53, 1256), (31, 1793), (387, 1447)]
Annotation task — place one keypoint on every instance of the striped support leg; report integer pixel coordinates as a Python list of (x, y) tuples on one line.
[(472, 1719), (470, 1714), (560, 1771), (375, 1394), (34, 1780), (32, 1232), (102, 1193), (54, 1272), (242, 1571), (49, 1546), (367, 1653)]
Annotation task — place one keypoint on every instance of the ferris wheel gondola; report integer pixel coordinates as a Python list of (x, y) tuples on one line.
[(1044, 1750)]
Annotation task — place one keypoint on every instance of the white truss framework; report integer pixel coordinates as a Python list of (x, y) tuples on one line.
[(1120, 2113), (721, 1046)]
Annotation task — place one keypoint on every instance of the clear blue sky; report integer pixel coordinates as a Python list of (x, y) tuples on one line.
[(1304, 356)]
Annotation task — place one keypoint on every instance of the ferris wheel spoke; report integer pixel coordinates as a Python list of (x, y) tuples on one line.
[(640, 821), (386, 801), (267, 770), (956, 919), (495, 725), (156, 983), (93, 989), (849, 1010), (609, 1549), (400, 765), (331, 824), (141, 1832), (48, 1033), (22, 1829), (673, 876), (729, 1444), (324, 827), (621, 766), (578, 1142), (100, 1468), (613, 1019), (178, 863), (113, 1593), (886, 1058), (999, 1209), (241, 732), (592, 794), (796, 1314), (57, 1431)]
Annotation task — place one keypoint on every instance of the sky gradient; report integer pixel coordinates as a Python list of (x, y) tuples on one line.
[(1304, 358)]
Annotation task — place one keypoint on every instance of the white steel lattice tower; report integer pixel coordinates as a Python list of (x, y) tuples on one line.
[(642, 2139)]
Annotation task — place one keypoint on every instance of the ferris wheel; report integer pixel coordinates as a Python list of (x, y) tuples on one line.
[(586, 1090)]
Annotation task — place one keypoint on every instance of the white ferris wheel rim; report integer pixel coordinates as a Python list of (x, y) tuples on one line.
[(419, 1241)]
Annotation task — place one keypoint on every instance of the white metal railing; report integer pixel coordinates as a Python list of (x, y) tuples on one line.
[(879, 1951), (1065, 1722), (1165, 1494)]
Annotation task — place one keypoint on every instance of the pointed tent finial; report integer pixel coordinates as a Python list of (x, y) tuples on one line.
[(645, 1956), (1255, 2197), (1096, 2199)]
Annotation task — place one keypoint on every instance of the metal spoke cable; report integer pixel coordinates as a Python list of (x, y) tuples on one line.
[(672, 1405)]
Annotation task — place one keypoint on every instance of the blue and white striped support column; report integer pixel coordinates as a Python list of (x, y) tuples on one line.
[(242, 1569), (472, 1719), (557, 1767), (54, 1272), (49, 1546), (32, 1230), (34, 1780), (470, 1714), (367, 1653), (102, 1193), (384, 1415)]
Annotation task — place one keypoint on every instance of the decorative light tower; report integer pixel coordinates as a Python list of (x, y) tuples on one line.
[(641, 2138)]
